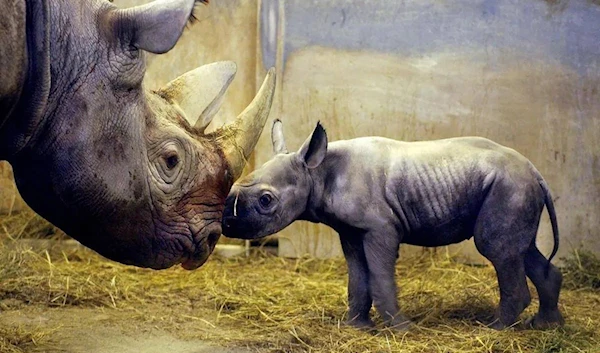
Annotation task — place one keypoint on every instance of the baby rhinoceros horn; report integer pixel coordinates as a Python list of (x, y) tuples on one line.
[(277, 138)]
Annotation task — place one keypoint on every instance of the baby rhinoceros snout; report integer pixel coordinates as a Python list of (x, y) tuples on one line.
[(234, 228), (231, 222), (239, 217)]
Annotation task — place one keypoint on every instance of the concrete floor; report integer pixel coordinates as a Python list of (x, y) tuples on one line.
[(85, 330)]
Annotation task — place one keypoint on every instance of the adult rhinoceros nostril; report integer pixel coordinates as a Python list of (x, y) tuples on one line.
[(213, 238), (205, 244)]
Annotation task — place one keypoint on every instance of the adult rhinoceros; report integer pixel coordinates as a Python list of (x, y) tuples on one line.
[(128, 173)]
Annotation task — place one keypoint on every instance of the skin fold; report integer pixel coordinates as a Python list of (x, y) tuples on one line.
[(378, 193)]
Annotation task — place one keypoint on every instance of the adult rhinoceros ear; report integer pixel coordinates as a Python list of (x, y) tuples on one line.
[(277, 137), (199, 93), (156, 26)]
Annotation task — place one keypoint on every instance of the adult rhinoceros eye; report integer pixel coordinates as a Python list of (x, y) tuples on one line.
[(265, 200), (171, 161)]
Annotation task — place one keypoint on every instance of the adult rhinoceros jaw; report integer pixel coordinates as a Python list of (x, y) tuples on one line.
[(240, 137)]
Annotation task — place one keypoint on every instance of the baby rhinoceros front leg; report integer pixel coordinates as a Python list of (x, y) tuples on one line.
[(371, 259), (359, 298)]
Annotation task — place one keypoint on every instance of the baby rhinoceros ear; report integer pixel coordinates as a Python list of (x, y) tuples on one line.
[(277, 138), (314, 149)]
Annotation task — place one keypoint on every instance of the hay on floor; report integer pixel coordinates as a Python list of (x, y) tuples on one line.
[(273, 304)]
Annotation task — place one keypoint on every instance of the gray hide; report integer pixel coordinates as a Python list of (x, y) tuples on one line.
[(377, 193), (127, 172)]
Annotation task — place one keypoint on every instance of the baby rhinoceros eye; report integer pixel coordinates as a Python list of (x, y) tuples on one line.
[(265, 200)]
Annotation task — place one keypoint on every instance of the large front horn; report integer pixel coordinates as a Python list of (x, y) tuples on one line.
[(239, 138)]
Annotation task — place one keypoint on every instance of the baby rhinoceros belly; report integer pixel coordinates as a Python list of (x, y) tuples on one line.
[(441, 186), (450, 232)]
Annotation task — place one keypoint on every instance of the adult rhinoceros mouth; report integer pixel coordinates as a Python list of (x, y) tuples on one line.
[(204, 245)]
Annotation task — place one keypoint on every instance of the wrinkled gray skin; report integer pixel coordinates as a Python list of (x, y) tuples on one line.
[(128, 173), (377, 193)]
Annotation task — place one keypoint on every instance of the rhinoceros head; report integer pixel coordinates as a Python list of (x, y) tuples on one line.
[(127, 172), (279, 192)]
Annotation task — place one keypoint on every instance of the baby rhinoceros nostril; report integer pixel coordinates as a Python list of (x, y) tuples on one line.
[(231, 227), (228, 222)]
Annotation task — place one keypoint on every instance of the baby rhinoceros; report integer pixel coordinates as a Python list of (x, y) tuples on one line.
[(377, 193)]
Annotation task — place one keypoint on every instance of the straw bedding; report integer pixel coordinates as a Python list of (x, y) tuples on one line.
[(271, 304)]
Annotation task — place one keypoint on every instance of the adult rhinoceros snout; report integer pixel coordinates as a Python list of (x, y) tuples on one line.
[(204, 248)]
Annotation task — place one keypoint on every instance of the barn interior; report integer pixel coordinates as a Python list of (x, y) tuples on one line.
[(522, 73)]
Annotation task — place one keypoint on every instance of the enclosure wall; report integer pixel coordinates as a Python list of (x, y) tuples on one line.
[(523, 73)]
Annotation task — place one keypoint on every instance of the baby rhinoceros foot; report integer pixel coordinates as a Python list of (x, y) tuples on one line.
[(400, 324), (546, 320), (497, 325), (360, 323)]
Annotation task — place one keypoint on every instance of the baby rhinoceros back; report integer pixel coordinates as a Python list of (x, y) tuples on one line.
[(378, 193), (434, 190)]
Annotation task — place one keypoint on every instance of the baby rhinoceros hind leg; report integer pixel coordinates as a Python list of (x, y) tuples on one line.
[(547, 280), (504, 231)]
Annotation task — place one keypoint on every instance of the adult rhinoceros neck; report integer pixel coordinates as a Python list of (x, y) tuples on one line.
[(17, 128)]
